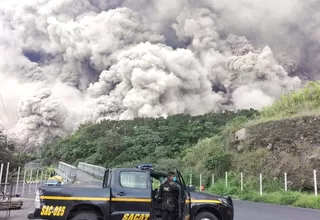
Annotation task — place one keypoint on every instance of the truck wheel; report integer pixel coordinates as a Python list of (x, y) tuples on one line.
[(206, 216), (85, 216)]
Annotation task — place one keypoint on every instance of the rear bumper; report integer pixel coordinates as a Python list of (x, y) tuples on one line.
[(31, 215)]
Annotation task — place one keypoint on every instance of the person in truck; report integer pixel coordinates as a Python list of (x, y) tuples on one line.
[(169, 195)]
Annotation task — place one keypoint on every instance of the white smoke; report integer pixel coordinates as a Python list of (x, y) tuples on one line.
[(154, 80), (41, 119), (67, 61)]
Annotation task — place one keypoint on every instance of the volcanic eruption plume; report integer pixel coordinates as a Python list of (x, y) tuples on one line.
[(66, 62)]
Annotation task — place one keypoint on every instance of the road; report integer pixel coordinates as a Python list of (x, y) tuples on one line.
[(243, 210), (260, 211), (20, 214)]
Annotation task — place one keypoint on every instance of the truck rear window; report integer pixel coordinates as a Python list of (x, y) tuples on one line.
[(132, 179)]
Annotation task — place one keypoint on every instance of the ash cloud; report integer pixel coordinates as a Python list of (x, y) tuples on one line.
[(66, 62), (154, 80), (41, 118)]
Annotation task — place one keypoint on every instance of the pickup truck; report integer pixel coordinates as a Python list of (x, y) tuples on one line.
[(128, 194)]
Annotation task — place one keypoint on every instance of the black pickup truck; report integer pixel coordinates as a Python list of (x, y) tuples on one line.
[(127, 194)]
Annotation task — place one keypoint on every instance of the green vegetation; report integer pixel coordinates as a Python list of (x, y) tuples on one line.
[(303, 101), (163, 142)]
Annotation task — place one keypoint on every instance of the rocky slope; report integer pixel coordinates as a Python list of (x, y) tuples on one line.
[(288, 145)]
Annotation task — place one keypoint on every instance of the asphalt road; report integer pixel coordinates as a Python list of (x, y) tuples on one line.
[(243, 210), (260, 211)]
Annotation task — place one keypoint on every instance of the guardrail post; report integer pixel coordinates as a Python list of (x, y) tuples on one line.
[(315, 183), (226, 179), (17, 184), (30, 181), (212, 180), (1, 171), (37, 175), (41, 175), (24, 181), (7, 174), (241, 181), (285, 182), (260, 184)]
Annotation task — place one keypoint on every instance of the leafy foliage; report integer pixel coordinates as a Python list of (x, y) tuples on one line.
[(4, 151), (161, 141), (208, 155)]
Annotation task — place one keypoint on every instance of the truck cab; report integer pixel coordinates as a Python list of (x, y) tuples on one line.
[(127, 194)]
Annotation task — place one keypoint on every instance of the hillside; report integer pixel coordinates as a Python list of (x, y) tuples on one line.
[(160, 141), (288, 145), (284, 138), (280, 138)]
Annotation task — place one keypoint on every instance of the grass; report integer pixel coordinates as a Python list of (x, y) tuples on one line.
[(272, 193), (295, 199), (297, 103), (304, 99), (262, 120)]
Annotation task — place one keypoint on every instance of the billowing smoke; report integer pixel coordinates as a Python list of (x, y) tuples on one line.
[(41, 119), (66, 62), (153, 80)]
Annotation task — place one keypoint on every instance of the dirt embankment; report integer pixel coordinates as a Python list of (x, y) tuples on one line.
[(288, 145)]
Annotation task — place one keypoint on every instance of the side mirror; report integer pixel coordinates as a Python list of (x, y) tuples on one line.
[(191, 188)]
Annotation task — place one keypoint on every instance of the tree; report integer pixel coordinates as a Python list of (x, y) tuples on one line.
[(4, 149), (114, 143)]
